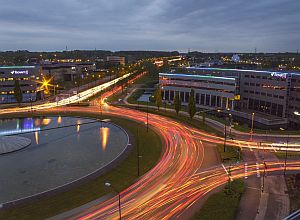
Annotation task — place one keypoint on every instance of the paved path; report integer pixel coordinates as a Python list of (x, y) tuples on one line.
[(271, 203), (10, 144)]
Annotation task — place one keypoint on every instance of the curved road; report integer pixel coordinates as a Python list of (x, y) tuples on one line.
[(177, 181)]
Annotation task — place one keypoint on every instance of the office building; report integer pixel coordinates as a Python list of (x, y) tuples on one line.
[(116, 60), (27, 76), (273, 95)]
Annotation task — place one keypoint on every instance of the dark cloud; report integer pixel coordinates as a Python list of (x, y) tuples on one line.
[(205, 25)]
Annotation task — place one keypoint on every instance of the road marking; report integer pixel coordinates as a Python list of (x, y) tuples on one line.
[(246, 171), (273, 148), (257, 171), (225, 169)]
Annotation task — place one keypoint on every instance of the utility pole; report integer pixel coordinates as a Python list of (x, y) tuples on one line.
[(147, 116), (225, 135), (138, 151), (263, 183)]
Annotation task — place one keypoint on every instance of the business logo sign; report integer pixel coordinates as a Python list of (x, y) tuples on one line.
[(279, 75), (19, 72)]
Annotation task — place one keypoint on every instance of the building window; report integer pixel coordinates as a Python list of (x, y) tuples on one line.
[(202, 99), (207, 100), (182, 96), (197, 98), (213, 100), (172, 95)]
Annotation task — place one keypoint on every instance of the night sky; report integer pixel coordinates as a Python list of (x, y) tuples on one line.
[(203, 25)]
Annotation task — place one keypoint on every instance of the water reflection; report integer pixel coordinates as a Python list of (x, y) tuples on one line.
[(104, 134), (46, 121), (36, 134), (78, 125), (59, 120)]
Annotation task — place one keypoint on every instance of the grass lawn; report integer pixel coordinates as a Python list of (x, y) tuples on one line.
[(222, 205), (290, 155), (180, 118), (121, 177), (231, 154), (294, 191)]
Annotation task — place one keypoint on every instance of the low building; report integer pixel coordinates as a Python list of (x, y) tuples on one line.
[(210, 91), (67, 71), (116, 60), (27, 76)]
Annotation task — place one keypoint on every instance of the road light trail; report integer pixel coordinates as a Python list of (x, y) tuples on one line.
[(176, 182)]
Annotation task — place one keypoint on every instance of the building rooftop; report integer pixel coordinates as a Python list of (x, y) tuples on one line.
[(17, 67), (244, 70)]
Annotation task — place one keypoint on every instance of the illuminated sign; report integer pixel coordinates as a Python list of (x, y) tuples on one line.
[(237, 97), (279, 75), (19, 72)]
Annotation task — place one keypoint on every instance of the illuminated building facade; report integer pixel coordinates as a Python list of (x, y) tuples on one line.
[(67, 71), (116, 60), (26, 76), (273, 93), (210, 91)]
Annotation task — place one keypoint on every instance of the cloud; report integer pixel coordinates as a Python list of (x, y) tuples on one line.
[(205, 25)]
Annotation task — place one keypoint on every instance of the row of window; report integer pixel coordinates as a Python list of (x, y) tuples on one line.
[(202, 81), (11, 79), (266, 107), (266, 77), (201, 99), (12, 92), (198, 87), (265, 86), (264, 94)]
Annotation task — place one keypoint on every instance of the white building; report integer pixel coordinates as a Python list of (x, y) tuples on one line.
[(210, 91)]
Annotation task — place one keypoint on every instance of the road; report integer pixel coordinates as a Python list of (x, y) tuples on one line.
[(178, 180)]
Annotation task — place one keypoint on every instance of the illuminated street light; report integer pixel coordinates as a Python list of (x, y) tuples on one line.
[(252, 124), (107, 184)]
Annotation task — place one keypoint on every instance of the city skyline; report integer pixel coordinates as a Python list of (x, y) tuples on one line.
[(208, 26)]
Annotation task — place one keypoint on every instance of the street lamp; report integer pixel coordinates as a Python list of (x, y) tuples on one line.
[(107, 184), (147, 116), (286, 151), (138, 151), (252, 124)]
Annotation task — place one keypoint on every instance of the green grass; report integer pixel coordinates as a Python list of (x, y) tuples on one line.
[(135, 95), (222, 205), (231, 154), (294, 191), (179, 118), (121, 177)]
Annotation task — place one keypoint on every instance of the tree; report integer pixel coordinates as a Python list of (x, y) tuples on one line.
[(18, 92), (158, 97), (177, 103), (192, 105)]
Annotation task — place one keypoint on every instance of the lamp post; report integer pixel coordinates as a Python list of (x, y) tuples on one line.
[(119, 196), (263, 183), (286, 151), (138, 151), (30, 104), (225, 135), (230, 120), (252, 124), (147, 116)]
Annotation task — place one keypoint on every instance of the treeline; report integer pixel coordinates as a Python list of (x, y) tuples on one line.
[(27, 57)]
